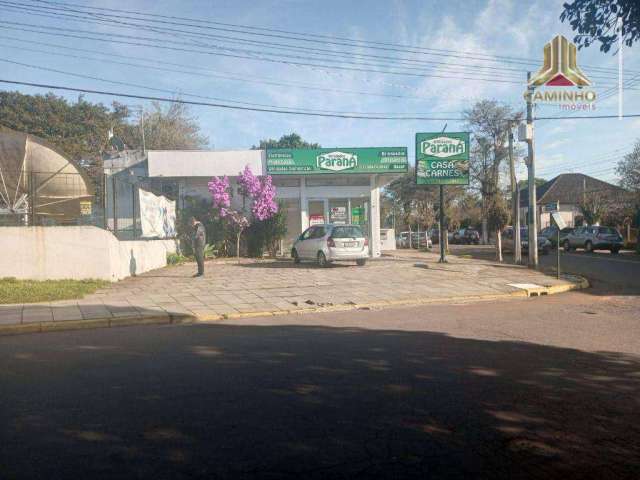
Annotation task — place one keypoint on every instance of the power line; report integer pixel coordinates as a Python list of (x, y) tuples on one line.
[(201, 73), (501, 71), (221, 105), (272, 60), (111, 20), (303, 36), (173, 91)]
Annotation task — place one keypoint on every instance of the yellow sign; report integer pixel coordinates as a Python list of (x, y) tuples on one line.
[(85, 207)]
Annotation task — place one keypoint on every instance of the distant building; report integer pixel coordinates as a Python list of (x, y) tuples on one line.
[(566, 192)]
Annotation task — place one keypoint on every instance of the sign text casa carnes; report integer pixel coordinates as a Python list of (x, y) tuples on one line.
[(442, 158)]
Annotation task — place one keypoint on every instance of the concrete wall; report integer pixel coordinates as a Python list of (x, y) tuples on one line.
[(48, 253)]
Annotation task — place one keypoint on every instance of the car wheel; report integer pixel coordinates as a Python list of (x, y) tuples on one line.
[(588, 246), (294, 254), (361, 262), (615, 250), (567, 247), (322, 260)]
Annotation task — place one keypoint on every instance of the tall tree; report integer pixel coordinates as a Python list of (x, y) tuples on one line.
[(169, 128), (489, 121), (628, 169), (293, 140), (596, 20)]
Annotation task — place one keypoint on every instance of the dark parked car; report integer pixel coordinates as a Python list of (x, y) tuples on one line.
[(550, 233), (466, 235), (594, 238)]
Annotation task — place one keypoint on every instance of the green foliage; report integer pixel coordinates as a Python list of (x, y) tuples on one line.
[(214, 227), (522, 184), (79, 130), (30, 291), (595, 20), (176, 259), (292, 140), (266, 234)]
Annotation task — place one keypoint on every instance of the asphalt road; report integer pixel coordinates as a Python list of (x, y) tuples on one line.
[(607, 273), (540, 388)]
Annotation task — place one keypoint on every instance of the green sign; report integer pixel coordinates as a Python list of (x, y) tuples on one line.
[(442, 158), (290, 161)]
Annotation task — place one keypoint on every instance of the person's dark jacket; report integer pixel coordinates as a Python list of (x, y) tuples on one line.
[(198, 237)]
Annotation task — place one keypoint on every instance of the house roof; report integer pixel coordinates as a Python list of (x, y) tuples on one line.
[(569, 188)]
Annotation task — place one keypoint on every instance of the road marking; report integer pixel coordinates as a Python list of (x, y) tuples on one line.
[(599, 256)]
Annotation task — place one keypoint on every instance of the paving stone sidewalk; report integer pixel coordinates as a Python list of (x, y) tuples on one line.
[(276, 286)]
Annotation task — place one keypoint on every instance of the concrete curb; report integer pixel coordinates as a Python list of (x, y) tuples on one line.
[(167, 319)]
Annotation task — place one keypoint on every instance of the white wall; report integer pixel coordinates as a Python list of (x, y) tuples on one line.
[(194, 163), (51, 253)]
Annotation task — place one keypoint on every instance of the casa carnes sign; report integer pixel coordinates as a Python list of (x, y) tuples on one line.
[(292, 161), (442, 158)]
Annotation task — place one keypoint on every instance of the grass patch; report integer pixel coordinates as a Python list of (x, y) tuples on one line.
[(31, 291)]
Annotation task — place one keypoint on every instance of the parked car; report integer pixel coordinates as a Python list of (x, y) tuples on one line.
[(329, 243), (418, 240), (550, 233), (544, 245), (594, 238), (466, 235)]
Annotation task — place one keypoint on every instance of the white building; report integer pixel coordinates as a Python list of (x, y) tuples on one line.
[(328, 185)]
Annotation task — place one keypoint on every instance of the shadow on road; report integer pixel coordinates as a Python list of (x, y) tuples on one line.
[(223, 401)]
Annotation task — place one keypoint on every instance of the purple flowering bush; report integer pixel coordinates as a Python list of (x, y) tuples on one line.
[(259, 190)]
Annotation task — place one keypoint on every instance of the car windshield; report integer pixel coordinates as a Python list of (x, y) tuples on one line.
[(607, 230), (349, 231)]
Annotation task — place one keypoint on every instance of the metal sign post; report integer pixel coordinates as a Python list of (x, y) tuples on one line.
[(559, 222), (443, 255), (442, 159)]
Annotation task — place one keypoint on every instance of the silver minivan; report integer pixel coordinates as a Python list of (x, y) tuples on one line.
[(329, 243)]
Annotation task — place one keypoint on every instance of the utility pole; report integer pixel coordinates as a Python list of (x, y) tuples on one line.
[(531, 164), (144, 147), (515, 203)]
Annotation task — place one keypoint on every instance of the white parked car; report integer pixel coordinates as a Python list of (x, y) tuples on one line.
[(329, 243)]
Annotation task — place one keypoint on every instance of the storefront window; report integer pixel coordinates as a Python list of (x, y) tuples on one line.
[(339, 211)]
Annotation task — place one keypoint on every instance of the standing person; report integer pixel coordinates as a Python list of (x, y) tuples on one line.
[(198, 241)]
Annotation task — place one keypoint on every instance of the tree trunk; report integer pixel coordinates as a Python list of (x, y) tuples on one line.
[(238, 245), (498, 245), (485, 236), (410, 239)]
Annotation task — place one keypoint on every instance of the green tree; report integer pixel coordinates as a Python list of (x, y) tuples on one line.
[(293, 140), (596, 20), (79, 130), (522, 184)]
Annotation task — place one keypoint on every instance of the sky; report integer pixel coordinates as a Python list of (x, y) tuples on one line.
[(446, 51)]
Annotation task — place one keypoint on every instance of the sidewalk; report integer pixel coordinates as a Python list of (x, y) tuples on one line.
[(264, 287)]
